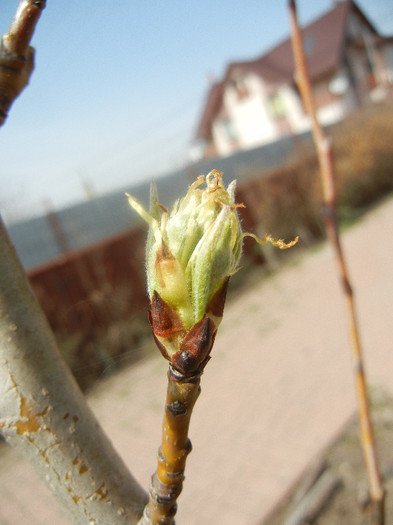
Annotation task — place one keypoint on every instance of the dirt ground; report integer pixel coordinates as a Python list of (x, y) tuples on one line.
[(341, 470)]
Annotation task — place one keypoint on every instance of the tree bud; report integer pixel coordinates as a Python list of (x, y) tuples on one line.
[(190, 255)]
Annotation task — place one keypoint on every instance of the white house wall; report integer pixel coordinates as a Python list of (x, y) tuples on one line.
[(252, 116), (222, 143), (252, 123), (297, 118), (249, 117)]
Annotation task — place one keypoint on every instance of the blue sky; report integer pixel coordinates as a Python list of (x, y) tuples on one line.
[(119, 86)]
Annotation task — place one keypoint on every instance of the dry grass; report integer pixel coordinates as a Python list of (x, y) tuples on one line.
[(364, 157)]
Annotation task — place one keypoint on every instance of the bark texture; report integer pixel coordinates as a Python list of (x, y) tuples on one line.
[(44, 414)]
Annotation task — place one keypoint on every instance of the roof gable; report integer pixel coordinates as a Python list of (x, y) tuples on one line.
[(323, 40)]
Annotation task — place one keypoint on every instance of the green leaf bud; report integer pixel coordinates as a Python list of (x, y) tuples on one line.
[(190, 255), (193, 250)]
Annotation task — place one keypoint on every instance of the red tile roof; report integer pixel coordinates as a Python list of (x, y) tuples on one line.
[(325, 39)]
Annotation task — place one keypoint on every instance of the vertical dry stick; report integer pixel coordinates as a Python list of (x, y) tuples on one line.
[(325, 158), (16, 56)]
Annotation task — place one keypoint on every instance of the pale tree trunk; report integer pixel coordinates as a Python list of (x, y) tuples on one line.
[(44, 414)]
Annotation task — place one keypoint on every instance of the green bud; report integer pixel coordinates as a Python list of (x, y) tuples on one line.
[(190, 255), (193, 250)]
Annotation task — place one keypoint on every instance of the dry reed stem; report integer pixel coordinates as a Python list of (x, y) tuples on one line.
[(167, 482), (325, 158), (16, 56)]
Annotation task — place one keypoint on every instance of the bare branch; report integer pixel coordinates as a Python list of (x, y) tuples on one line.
[(325, 158), (44, 414), (167, 481), (16, 55)]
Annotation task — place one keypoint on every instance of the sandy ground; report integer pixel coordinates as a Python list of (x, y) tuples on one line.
[(277, 390)]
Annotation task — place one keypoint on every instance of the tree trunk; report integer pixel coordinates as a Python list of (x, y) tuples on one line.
[(44, 414)]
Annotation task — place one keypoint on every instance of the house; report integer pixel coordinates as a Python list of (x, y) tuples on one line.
[(257, 102)]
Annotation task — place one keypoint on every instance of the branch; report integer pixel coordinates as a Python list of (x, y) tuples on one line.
[(167, 482), (44, 414), (16, 55), (325, 158)]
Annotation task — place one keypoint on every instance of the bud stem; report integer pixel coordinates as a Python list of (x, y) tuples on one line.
[(167, 482)]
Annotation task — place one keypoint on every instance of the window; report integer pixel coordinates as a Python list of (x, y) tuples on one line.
[(240, 87), (276, 105)]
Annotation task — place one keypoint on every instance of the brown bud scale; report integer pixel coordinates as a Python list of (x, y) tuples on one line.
[(164, 320), (195, 345)]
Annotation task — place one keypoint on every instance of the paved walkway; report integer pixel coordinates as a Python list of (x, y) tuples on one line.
[(277, 391)]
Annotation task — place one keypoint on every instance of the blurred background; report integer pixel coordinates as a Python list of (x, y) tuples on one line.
[(127, 93), (124, 93)]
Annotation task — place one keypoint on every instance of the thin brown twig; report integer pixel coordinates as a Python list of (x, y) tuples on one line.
[(325, 158), (16, 55), (167, 482)]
